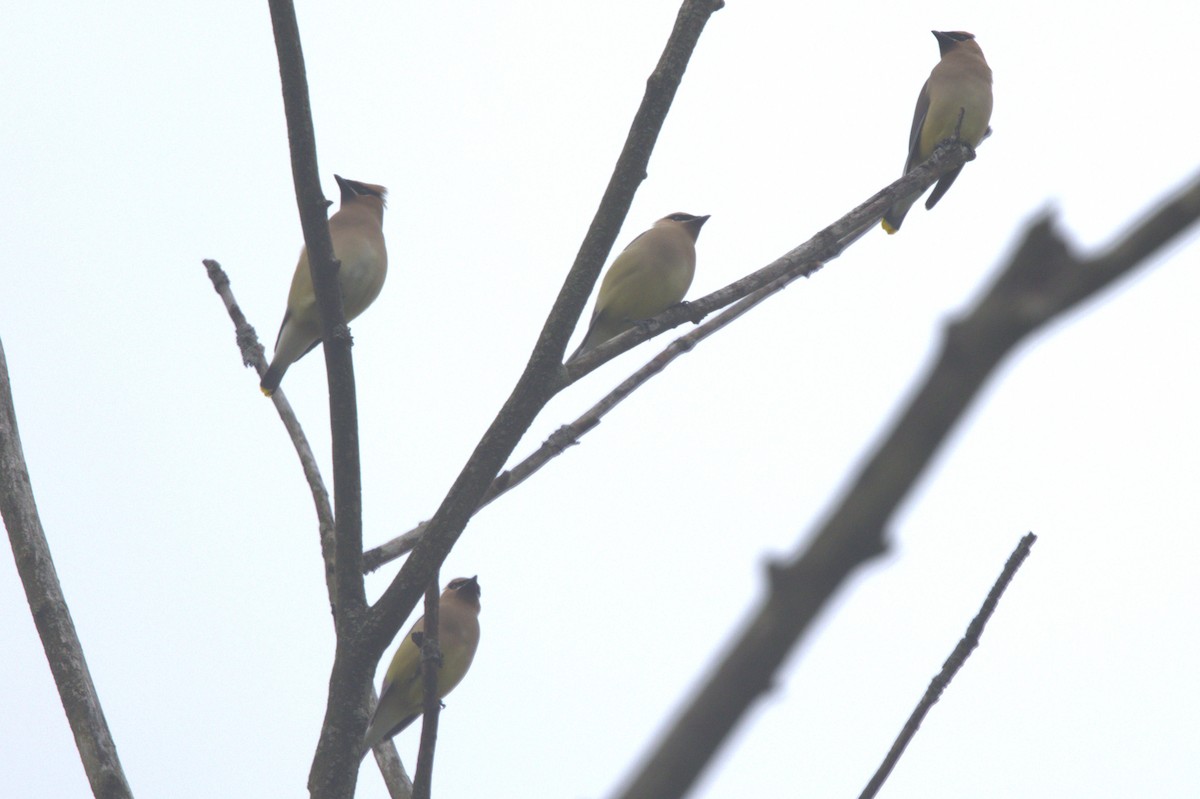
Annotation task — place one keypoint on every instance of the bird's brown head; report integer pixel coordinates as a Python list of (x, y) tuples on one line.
[(466, 589), (690, 222), (353, 190), (948, 40)]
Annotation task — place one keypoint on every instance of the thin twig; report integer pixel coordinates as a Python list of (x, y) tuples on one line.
[(431, 663), (388, 759), (51, 616), (253, 355), (1041, 281), (950, 668)]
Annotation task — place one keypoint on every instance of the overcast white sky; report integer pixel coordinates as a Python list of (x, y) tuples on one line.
[(141, 137)]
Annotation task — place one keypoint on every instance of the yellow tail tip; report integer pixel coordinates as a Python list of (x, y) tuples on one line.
[(266, 391), (888, 227)]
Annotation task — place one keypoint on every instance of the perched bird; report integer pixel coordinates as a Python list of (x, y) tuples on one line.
[(957, 99), (648, 277), (402, 697), (357, 233)]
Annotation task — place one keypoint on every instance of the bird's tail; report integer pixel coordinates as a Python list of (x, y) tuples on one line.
[(272, 378), (895, 215)]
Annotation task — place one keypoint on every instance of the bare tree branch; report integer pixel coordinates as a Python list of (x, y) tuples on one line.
[(1042, 280), (394, 777), (64, 652), (253, 355), (402, 544), (802, 261), (957, 658), (431, 662), (398, 784), (335, 765), (343, 408)]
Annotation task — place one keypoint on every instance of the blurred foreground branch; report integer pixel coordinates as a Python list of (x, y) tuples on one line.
[(1042, 280), (64, 652)]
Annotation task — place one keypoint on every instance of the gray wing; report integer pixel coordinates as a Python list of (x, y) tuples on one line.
[(914, 137)]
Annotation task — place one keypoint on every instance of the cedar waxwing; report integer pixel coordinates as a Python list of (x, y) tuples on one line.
[(959, 88), (402, 698), (357, 233), (648, 277)]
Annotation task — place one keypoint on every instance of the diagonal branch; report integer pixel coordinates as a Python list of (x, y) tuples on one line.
[(802, 261), (826, 245), (951, 667), (386, 757), (64, 652), (1041, 281), (544, 375), (252, 355), (398, 784)]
